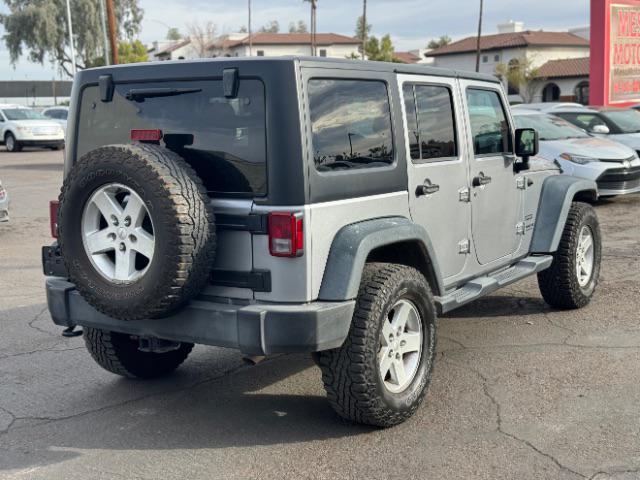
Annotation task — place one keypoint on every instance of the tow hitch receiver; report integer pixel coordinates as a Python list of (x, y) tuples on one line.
[(157, 345)]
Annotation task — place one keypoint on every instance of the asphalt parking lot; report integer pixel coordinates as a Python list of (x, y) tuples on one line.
[(520, 391)]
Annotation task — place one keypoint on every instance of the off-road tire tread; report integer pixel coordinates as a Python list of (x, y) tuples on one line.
[(173, 178), (348, 380), (558, 284), (107, 350)]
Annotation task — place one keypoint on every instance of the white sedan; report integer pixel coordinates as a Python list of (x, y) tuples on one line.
[(613, 166), (21, 127)]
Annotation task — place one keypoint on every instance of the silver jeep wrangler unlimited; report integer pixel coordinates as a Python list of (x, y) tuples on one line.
[(303, 205)]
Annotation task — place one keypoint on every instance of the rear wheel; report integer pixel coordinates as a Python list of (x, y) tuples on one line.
[(572, 277), (381, 373), (11, 144), (118, 353)]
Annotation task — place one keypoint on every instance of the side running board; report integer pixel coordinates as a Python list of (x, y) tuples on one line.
[(481, 286)]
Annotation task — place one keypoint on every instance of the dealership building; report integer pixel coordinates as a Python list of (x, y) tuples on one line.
[(561, 58)]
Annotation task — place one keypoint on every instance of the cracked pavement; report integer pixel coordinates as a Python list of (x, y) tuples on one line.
[(519, 390)]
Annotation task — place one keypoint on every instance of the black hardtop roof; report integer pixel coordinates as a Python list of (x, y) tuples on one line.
[(318, 62)]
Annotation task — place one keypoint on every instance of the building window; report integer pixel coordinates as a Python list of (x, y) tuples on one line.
[(350, 124), (551, 93), (323, 52), (485, 58), (260, 53), (582, 93), (496, 58)]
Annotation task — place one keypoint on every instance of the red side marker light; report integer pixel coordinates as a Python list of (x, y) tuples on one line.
[(146, 135)]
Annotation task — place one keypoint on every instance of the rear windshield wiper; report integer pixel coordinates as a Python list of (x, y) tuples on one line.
[(139, 94)]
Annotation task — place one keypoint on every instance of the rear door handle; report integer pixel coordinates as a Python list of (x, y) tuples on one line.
[(481, 180), (427, 188)]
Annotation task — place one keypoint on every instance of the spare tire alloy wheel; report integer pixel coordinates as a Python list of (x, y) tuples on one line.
[(136, 231), (117, 233)]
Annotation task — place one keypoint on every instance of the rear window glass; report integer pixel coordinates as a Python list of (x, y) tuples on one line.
[(350, 124), (223, 139)]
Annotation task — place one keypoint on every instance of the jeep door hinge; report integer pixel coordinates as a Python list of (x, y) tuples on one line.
[(464, 246), (464, 194), (520, 228), (521, 183)]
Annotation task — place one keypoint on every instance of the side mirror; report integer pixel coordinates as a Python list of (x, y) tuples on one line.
[(600, 129), (527, 145)]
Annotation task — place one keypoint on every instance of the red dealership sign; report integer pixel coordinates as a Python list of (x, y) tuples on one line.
[(615, 52)]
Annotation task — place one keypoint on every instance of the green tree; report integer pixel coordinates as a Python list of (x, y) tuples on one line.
[(272, 27), (440, 42), (174, 34), (360, 28), (522, 76), (381, 50), (300, 27), (132, 52), (37, 30)]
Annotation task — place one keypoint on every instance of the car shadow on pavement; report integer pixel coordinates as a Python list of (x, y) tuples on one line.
[(277, 402)]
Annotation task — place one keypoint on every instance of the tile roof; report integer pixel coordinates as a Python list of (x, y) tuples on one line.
[(406, 57), (289, 39), (568, 67), (512, 40), (173, 47)]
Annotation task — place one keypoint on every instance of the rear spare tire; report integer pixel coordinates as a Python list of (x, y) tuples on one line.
[(136, 230)]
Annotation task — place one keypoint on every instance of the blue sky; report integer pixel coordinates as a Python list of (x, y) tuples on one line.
[(411, 23)]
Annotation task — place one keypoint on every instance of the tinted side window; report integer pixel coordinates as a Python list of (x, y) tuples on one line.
[(350, 124), (412, 121), (436, 123), (489, 125)]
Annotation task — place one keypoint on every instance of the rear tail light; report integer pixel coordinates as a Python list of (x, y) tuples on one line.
[(146, 135), (286, 234), (53, 217), (3, 192)]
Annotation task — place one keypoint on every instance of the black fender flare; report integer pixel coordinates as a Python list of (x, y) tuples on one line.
[(558, 192), (352, 245)]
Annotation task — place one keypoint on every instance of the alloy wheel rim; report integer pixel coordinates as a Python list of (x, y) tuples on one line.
[(585, 256), (400, 346), (118, 234), (10, 143)]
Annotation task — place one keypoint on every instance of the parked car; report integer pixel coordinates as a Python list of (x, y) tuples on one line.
[(353, 201), (21, 127), (4, 204), (57, 114), (546, 106), (619, 124), (613, 166)]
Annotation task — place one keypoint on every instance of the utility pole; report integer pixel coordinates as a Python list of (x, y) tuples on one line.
[(113, 41), (314, 7), (73, 50), (479, 36), (364, 27), (105, 36), (250, 37)]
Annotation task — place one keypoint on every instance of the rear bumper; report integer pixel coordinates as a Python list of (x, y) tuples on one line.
[(256, 329)]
